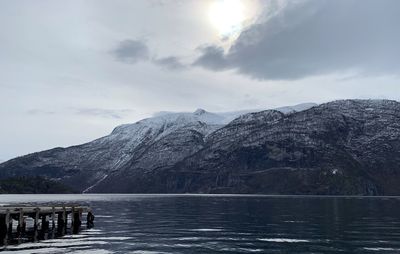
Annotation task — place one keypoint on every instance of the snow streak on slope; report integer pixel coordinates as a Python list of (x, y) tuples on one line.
[(92, 186)]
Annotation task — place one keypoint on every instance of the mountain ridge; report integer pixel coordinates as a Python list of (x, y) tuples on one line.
[(340, 147)]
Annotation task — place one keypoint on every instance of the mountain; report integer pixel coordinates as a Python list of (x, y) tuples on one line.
[(340, 147), (150, 143)]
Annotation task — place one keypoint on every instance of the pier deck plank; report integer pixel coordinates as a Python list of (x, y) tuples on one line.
[(42, 209)]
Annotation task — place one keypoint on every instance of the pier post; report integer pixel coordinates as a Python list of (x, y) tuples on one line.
[(4, 227), (10, 223), (76, 215), (72, 217), (45, 223), (21, 223), (7, 225), (35, 224), (61, 221), (44, 232), (53, 222), (80, 217), (65, 220), (90, 219), (53, 217), (64, 215), (36, 220)]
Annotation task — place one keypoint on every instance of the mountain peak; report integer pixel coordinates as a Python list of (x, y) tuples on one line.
[(199, 112)]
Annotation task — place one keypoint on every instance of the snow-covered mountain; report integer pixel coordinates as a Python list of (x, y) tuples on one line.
[(348, 147), (143, 146), (340, 147)]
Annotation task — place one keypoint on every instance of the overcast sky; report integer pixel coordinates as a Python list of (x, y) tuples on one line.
[(71, 70)]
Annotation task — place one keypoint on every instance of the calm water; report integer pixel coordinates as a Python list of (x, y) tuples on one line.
[(226, 224)]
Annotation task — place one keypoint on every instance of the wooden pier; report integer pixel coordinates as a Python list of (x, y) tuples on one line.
[(45, 218)]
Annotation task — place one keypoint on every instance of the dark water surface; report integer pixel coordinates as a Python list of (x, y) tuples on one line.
[(225, 224)]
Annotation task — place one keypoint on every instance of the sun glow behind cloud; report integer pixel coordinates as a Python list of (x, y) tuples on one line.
[(229, 17)]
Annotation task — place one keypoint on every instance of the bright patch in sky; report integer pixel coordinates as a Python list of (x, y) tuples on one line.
[(227, 16)]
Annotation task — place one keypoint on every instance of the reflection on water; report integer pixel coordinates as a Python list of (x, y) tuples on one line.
[(225, 224)]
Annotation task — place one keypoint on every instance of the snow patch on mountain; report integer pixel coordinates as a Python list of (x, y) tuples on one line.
[(219, 118), (164, 123), (296, 108)]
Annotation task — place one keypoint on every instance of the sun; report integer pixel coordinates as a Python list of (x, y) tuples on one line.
[(227, 16)]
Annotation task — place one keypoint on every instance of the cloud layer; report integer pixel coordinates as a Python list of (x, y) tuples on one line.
[(87, 112), (315, 37), (131, 51), (170, 63)]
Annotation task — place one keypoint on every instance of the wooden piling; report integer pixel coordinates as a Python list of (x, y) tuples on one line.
[(36, 219), (10, 222), (65, 220), (4, 227), (59, 219), (21, 222), (90, 219), (45, 223), (72, 217), (76, 216), (64, 215), (53, 217)]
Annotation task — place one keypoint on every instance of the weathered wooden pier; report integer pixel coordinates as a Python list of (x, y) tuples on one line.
[(45, 218)]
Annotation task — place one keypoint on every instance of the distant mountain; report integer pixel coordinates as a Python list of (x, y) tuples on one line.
[(341, 147)]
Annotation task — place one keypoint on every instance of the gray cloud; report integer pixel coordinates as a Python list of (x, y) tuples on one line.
[(93, 112), (316, 37), (40, 112), (170, 63), (104, 113), (131, 51), (212, 57)]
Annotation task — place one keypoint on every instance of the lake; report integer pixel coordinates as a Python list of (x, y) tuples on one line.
[(225, 224)]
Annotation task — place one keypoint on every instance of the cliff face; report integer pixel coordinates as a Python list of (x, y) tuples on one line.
[(341, 147)]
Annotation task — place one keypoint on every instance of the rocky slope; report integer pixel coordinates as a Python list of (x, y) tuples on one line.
[(341, 147)]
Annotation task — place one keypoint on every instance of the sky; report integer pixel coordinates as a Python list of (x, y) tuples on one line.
[(71, 71)]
